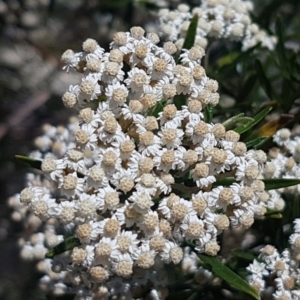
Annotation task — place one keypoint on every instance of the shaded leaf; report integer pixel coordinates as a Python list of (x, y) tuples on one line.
[(208, 113), (260, 116), (243, 253), (232, 120), (191, 33), (256, 143), (157, 108), (277, 183), (179, 100), (34, 163), (68, 244), (223, 272), (263, 80)]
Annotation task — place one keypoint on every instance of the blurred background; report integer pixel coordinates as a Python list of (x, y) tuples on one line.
[(33, 35)]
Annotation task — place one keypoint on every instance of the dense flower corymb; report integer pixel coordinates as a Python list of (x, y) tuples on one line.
[(141, 176)]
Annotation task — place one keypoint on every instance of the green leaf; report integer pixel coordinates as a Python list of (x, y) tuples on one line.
[(260, 116), (191, 33), (179, 100), (68, 244), (223, 272), (208, 113), (264, 81), (157, 108), (257, 143), (224, 182), (236, 119), (278, 183), (34, 163), (244, 254)]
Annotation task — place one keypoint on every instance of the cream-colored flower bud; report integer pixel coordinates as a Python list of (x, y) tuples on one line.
[(126, 184), (67, 215), (170, 48), (169, 91), (90, 45), (145, 260), (202, 170), (68, 56), (179, 211), (268, 250), (194, 230), (116, 55), (214, 99), (160, 65), (120, 38), (48, 165), (103, 250), (194, 106), (150, 222), (87, 87), (110, 125), (98, 274), (81, 137), (120, 95), (123, 243), (260, 156), (204, 97), (176, 255), (137, 32), (139, 79), (252, 172), (135, 106), (146, 138), (170, 134), (157, 243), (232, 136), (75, 154), (196, 53), (258, 186), (112, 68), (141, 51), (86, 114), (127, 147), (110, 158), (69, 99), (94, 65), (87, 208), (112, 200), (290, 163), (153, 37), (101, 292), (212, 85), (39, 208), (124, 269), (201, 128), (151, 123), (190, 157), (70, 182), (246, 193), (84, 231), (96, 173), (199, 205), (149, 100), (173, 198), (219, 156), (226, 195), (168, 158), (146, 165), (270, 169), (239, 149), (186, 79), (273, 152), (212, 248), (198, 72), (78, 255), (222, 222), (247, 221), (170, 111), (112, 227), (165, 227), (219, 131), (167, 178)]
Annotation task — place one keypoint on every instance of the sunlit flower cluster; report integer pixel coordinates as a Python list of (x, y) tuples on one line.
[(227, 19), (278, 272), (139, 178)]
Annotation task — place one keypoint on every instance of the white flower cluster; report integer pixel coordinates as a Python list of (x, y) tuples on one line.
[(135, 186), (285, 158), (283, 268), (229, 19)]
